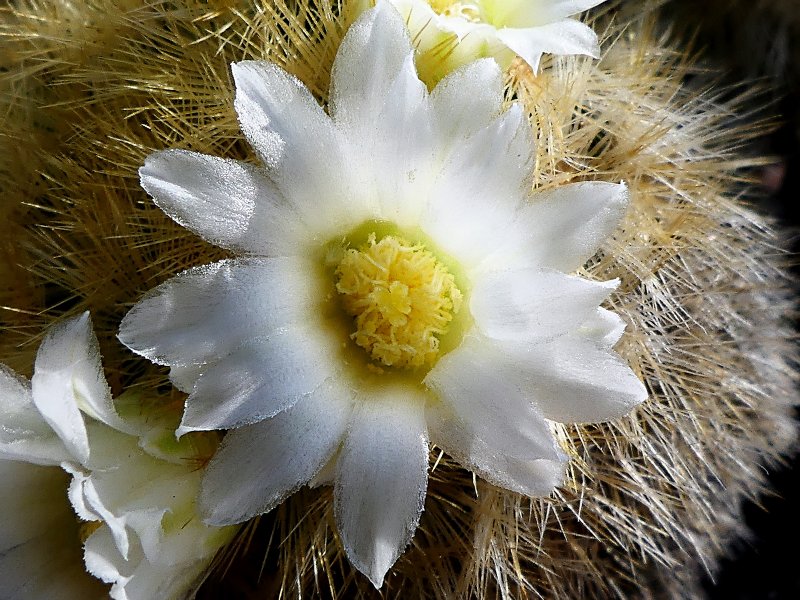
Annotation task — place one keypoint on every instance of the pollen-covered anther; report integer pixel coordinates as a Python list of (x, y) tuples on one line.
[(401, 297)]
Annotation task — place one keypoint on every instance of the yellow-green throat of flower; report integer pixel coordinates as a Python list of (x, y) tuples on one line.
[(469, 10), (401, 297)]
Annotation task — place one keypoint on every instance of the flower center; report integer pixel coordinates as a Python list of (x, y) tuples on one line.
[(401, 297), (468, 10)]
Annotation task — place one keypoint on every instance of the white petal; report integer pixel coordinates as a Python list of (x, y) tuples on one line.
[(531, 477), (370, 58), (561, 229), (258, 466), (494, 407), (381, 481), (40, 552), (184, 378), (393, 150), (68, 378), (206, 312), (34, 499), (173, 569), (105, 562), (534, 305), (474, 202), (573, 379), (153, 503), (467, 100), (261, 379), (227, 202), (119, 477), (24, 434), (299, 145), (558, 9), (564, 37), (528, 13), (90, 505), (606, 328), (381, 106), (278, 115)]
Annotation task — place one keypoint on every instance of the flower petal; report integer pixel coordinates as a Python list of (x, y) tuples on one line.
[(184, 378), (528, 13), (104, 561), (561, 229), (605, 328), (466, 101), (493, 407), (394, 147), (34, 500), (534, 305), (565, 37), (258, 466), (68, 379), (381, 106), (260, 379), (24, 434), (381, 481), (299, 145), (474, 202), (370, 58), (206, 312), (531, 477), (226, 202), (40, 552), (572, 379)]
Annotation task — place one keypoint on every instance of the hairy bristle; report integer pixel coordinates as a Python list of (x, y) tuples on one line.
[(89, 89)]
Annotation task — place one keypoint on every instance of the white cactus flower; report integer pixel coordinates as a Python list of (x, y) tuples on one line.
[(398, 284), (455, 32), (135, 497)]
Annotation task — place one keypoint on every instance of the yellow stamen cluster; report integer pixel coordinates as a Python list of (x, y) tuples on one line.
[(471, 11), (402, 299)]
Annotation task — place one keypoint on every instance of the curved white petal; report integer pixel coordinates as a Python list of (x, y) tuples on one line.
[(561, 37), (89, 505), (261, 379), (173, 568), (226, 202), (561, 229), (206, 312), (529, 13), (278, 115), (370, 58), (104, 561), (24, 434), (531, 477), (184, 377), (130, 492), (382, 108), (572, 379), (494, 408), (258, 466), (40, 551), (68, 379), (166, 546), (474, 201), (395, 156), (381, 481), (466, 101), (575, 378), (605, 327), (534, 305), (299, 145)]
